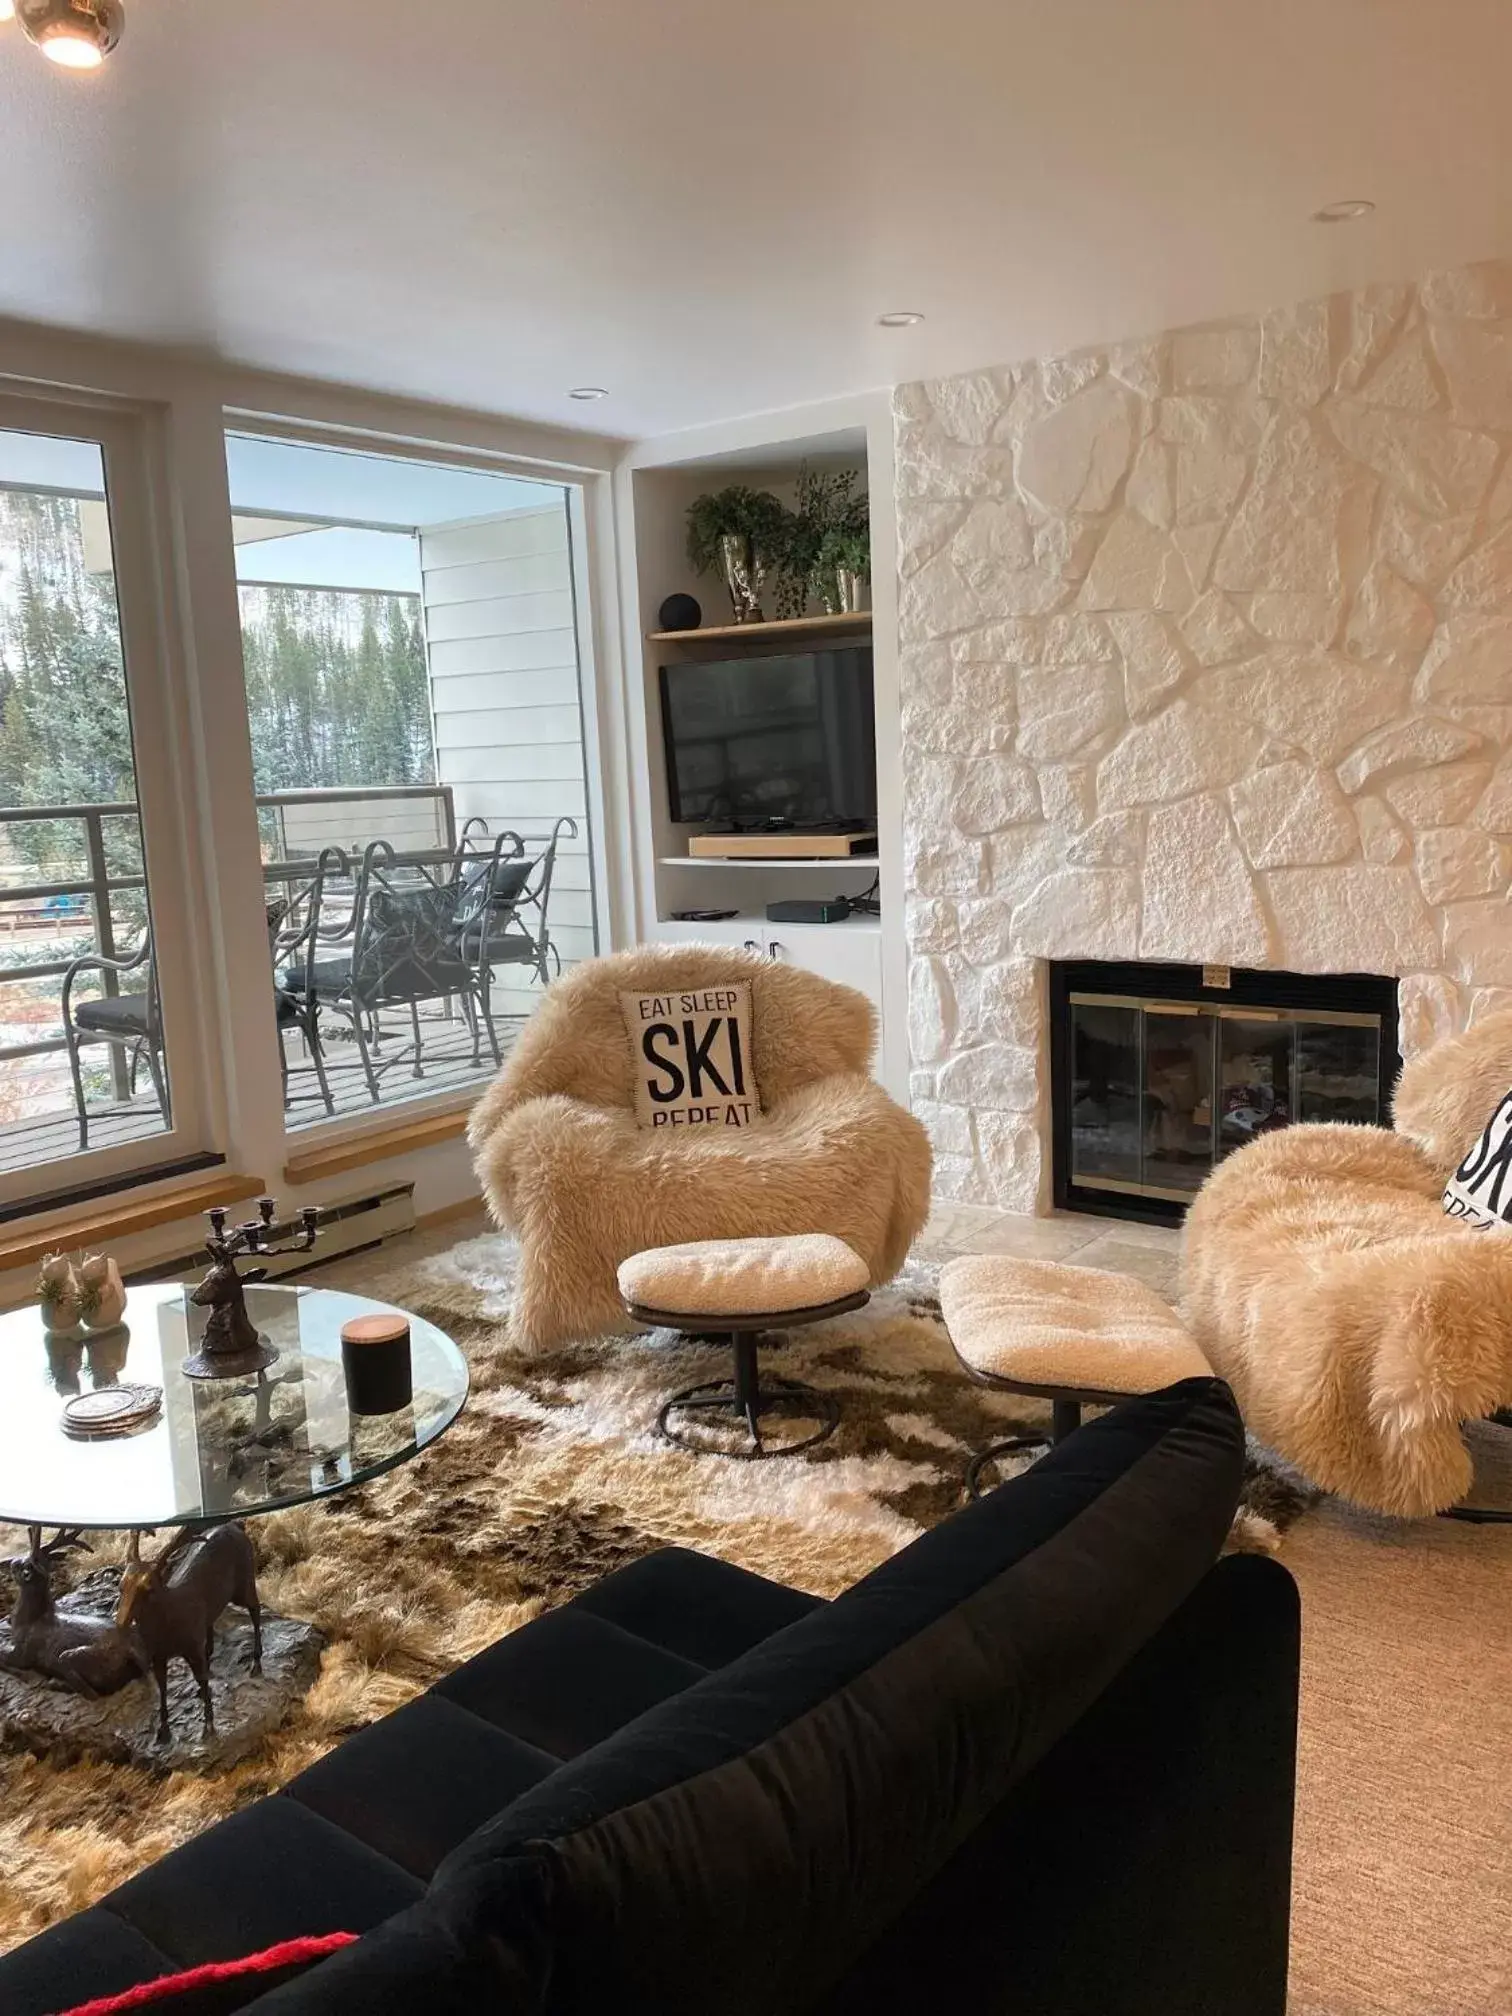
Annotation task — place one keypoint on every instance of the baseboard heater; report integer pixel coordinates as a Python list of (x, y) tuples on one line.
[(345, 1228)]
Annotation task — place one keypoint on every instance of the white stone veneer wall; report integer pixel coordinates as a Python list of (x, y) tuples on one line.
[(1206, 655)]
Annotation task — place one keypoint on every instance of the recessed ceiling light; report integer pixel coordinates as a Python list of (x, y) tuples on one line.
[(7, 10), (77, 34), (589, 392), (899, 318), (1347, 212)]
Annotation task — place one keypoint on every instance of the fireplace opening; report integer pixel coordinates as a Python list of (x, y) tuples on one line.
[(1157, 1072)]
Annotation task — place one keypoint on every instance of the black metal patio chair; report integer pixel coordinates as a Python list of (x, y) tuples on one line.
[(404, 945), (510, 927), (132, 1022)]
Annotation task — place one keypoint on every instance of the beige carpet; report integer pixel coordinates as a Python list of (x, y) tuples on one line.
[(1403, 1886)]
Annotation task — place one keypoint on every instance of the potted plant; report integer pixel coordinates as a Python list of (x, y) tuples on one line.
[(842, 570), (824, 501), (743, 532)]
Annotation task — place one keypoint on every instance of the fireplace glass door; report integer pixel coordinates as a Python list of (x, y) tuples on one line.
[(1161, 1091)]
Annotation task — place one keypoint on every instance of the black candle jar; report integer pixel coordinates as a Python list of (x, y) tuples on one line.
[(375, 1356)]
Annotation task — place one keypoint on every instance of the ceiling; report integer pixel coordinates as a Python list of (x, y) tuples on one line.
[(704, 206)]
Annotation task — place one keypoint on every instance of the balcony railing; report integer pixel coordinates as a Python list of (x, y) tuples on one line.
[(418, 820)]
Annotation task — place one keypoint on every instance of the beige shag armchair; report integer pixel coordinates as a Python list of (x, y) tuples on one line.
[(1360, 1327), (565, 1167)]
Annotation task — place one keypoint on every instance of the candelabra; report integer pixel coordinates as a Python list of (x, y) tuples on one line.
[(232, 1345)]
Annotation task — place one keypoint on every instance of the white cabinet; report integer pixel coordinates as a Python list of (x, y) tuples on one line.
[(850, 952)]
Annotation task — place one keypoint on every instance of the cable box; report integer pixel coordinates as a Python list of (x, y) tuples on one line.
[(801, 910)]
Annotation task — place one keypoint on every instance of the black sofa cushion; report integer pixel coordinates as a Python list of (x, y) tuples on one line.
[(273, 1871), (90, 1956), (738, 1849), (698, 1608), (567, 1681), (417, 1783)]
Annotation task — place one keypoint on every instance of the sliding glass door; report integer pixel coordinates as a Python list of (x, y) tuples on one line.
[(97, 1075)]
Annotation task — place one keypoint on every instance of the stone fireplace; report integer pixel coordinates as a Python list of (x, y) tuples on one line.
[(1206, 658), (1157, 1072)]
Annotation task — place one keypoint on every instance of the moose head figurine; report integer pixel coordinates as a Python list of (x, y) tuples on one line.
[(171, 1603), (91, 1655), (232, 1345)]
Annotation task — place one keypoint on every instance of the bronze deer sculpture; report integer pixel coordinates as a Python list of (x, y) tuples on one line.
[(174, 1616), (92, 1655)]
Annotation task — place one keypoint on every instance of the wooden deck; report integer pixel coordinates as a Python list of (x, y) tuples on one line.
[(446, 1060)]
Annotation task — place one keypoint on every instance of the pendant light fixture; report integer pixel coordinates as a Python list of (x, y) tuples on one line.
[(75, 34)]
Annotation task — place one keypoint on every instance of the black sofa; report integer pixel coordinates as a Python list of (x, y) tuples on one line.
[(1040, 1761)]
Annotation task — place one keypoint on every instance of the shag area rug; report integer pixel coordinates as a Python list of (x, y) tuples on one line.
[(553, 1476)]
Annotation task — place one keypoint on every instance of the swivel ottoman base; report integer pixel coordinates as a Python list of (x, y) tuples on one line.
[(730, 1291)]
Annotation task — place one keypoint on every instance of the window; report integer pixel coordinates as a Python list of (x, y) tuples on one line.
[(412, 675), (95, 980)]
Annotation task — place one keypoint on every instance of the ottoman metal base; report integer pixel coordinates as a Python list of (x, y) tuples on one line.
[(744, 1399)]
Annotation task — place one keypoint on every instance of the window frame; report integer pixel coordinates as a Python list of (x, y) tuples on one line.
[(587, 503), (161, 710)]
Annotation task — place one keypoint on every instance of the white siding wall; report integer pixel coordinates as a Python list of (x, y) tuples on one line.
[(504, 685)]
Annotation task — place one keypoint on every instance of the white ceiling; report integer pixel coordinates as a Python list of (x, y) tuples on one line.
[(703, 205)]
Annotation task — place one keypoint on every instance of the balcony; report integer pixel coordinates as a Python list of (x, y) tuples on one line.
[(332, 859)]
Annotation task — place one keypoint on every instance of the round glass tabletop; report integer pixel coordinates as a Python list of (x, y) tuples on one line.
[(220, 1448)]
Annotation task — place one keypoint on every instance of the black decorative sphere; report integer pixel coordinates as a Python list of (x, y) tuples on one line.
[(679, 612)]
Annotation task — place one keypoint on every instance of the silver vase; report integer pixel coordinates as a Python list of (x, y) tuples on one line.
[(744, 572), (850, 588), (843, 592)]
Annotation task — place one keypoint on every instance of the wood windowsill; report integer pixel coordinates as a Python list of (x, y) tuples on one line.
[(375, 1144), (110, 1219)]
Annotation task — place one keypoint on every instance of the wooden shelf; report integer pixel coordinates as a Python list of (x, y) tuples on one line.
[(829, 861), (792, 627)]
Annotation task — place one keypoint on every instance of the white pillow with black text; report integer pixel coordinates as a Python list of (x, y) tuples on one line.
[(691, 1057), (1480, 1190)]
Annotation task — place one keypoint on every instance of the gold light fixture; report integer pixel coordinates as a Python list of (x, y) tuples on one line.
[(75, 34)]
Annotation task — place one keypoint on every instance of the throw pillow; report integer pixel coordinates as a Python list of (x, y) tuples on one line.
[(1480, 1190), (690, 1057)]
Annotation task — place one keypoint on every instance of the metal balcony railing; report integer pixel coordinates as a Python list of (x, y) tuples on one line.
[(419, 821)]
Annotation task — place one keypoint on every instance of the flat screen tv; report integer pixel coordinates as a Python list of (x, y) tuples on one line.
[(786, 741)]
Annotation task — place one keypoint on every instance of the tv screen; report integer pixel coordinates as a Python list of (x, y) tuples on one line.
[(758, 741)]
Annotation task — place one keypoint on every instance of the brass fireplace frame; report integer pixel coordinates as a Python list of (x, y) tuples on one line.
[(1367, 1001)]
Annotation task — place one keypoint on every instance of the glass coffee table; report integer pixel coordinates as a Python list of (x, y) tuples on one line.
[(219, 1449)]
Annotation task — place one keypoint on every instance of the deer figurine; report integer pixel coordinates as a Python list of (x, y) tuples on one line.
[(91, 1655), (173, 1601)]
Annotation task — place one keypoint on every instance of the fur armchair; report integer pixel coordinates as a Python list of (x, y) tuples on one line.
[(565, 1167), (1360, 1327)]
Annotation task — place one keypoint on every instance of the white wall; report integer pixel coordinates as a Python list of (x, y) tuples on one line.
[(502, 641)]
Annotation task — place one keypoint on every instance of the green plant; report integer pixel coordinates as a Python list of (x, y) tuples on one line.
[(825, 504), (737, 512), (846, 552)]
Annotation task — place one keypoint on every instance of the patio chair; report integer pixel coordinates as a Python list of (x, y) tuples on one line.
[(296, 1010), (511, 927), (132, 1022), (403, 945)]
